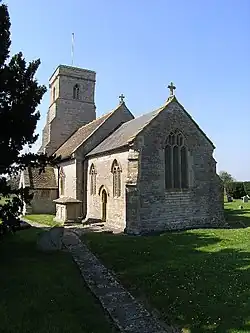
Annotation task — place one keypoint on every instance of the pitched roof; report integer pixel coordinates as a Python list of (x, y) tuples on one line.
[(34, 179), (129, 130), (123, 134), (81, 135)]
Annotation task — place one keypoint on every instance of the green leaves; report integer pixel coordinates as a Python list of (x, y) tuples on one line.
[(20, 94), (4, 34)]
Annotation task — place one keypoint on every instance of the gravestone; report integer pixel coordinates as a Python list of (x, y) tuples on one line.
[(51, 240), (245, 199)]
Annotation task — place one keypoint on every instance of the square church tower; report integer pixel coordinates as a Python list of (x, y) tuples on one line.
[(72, 105)]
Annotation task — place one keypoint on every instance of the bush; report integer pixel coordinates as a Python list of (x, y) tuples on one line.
[(247, 187), (9, 224), (236, 190)]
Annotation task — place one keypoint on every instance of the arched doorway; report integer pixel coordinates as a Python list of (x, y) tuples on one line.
[(104, 205)]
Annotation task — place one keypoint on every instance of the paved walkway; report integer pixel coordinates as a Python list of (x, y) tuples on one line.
[(127, 313)]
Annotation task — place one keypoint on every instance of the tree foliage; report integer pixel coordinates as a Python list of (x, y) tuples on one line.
[(235, 189), (226, 177), (20, 94), (247, 188)]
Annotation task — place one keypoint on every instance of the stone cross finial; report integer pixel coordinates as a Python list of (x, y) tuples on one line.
[(121, 98), (171, 87)]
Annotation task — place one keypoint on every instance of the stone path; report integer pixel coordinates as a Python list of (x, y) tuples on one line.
[(126, 312)]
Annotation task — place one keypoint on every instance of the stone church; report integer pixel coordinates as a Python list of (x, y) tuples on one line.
[(150, 173)]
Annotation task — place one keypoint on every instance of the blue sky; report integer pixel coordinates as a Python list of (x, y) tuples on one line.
[(138, 46)]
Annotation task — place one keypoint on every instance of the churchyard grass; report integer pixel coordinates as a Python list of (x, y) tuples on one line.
[(197, 279), (44, 292), (236, 216), (45, 219)]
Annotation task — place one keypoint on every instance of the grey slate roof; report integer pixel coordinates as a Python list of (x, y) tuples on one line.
[(34, 179), (125, 133), (128, 131)]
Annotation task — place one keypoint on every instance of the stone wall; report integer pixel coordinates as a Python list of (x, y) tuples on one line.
[(69, 117), (155, 208), (66, 114), (42, 202), (116, 212), (69, 170), (119, 116)]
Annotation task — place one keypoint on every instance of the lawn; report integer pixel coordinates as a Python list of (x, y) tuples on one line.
[(197, 279), (44, 293), (45, 219), (235, 216)]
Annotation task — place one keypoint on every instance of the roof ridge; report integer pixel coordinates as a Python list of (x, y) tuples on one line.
[(85, 125), (91, 122), (156, 112), (106, 114), (98, 122), (138, 123)]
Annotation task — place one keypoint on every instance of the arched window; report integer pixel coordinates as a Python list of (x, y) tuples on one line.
[(176, 162), (92, 173), (116, 170), (62, 182), (53, 94), (76, 91)]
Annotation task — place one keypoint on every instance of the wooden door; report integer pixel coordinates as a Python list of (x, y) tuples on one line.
[(104, 205)]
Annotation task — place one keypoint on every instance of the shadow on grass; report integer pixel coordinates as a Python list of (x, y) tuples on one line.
[(237, 218), (198, 279), (44, 292)]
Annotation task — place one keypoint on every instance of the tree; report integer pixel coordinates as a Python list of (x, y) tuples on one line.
[(20, 94), (235, 189), (226, 177)]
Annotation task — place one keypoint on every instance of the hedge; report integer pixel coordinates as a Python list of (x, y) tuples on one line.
[(247, 187), (236, 189)]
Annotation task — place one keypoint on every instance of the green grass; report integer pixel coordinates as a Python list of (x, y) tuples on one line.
[(45, 219), (235, 216), (197, 279), (44, 293)]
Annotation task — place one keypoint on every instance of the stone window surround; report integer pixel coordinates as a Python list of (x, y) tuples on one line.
[(53, 94), (62, 181), (76, 91), (93, 173), (176, 145), (116, 171)]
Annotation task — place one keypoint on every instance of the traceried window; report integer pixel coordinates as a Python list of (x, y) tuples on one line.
[(62, 182), (76, 91), (92, 173), (116, 171), (176, 162)]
